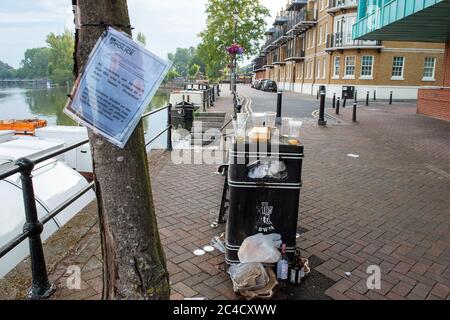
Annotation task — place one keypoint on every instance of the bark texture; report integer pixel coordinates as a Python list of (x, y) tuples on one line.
[(134, 265)]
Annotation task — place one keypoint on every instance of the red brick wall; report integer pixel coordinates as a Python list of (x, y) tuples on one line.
[(446, 67), (434, 103)]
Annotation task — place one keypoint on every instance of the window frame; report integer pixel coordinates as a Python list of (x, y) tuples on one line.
[(324, 68), (402, 76), (349, 76), (365, 76), (318, 73), (433, 76), (338, 75)]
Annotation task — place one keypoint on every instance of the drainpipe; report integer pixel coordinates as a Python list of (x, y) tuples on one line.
[(315, 59)]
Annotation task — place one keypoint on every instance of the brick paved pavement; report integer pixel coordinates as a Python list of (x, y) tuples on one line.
[(390, 207)]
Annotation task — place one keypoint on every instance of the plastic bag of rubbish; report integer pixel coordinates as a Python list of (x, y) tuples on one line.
[(271, 169), (260, 248), (248, 276)]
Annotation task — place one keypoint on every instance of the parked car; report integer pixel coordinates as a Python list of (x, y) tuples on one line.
[(255, 84), (269, 85), (261, 84)]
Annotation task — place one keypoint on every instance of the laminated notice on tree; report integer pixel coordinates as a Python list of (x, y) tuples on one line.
[(117, 84)]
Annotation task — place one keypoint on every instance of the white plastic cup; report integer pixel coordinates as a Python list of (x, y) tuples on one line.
[(294, 128), (270, 119), (258, 119)]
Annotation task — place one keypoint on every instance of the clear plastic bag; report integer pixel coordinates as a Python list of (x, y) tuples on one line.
[(260, 248), (248, 276), (267, 169)]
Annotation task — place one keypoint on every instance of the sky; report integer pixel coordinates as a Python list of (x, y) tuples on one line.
[(167, 24)]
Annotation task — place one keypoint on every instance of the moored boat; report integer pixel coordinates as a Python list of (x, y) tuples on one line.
[(53, 182), (24, 126)]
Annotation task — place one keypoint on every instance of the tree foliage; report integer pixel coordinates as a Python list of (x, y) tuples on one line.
[(35, 63), (54, 61), (220, 33), (194, 70), (141, 38), (60, 63), (6, 71), (184, 58)]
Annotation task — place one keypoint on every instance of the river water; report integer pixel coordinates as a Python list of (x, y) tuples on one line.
[(48, 104)]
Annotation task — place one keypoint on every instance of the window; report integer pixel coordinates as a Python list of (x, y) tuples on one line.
[(398, 68), (350, 67), (307, 40), (320, 34), (324, 69), (313, 39), (337, 67), (318, 70), (326, 31), (366, 67), (429, 68), (308, 70)]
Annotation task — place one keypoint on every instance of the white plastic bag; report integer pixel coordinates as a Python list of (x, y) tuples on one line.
[(260, 248)]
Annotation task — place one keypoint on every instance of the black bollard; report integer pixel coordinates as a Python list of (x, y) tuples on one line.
[(337, 105), (345, 101), (354, 112), (390, 98), (356, 96), (317, 95), (374, 95), (322, 121), (169, 127), (279, 103), (367, 99), (334, 101)]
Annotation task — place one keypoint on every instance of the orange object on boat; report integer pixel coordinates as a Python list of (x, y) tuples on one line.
[(22, 126)]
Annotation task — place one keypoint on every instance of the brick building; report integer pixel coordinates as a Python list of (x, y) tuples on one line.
[(401, 20), (311, 45)]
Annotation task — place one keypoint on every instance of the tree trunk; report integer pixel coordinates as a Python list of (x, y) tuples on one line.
[(134, 265)]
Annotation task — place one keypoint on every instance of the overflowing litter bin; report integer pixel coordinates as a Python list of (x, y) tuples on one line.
[(264, 190)]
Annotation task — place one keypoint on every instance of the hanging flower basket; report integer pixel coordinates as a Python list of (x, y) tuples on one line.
[(235, 49)]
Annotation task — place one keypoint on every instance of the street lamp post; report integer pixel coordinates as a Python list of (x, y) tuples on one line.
[(234, 73)]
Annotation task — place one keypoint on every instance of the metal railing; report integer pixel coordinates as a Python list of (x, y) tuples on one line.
[(33, 228), (295, 17), (209, 93), (342, 3), (344, 39), (295, 53)]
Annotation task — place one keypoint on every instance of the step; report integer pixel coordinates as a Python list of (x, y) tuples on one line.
[(210, 119), (211, 114), (206, 125)]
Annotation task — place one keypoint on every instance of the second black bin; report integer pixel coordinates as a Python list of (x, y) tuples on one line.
[(264, 188)]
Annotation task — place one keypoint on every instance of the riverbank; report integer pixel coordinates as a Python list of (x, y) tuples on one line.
[(388, 207)]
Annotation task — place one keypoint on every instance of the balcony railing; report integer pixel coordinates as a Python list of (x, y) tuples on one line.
[(259, 63), (293, 54), (390, 12), (336, 5), (341, 40), (295, 5), (298, 19)]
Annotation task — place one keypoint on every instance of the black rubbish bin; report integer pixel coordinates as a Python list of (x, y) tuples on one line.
[(349, 91), (183, 115), (266, 204), (322, 88)]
